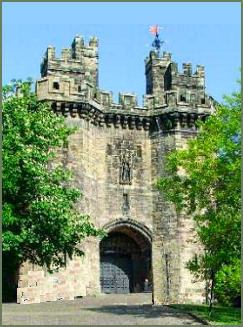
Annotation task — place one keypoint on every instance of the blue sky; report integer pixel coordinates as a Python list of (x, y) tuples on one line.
[(204, 33)]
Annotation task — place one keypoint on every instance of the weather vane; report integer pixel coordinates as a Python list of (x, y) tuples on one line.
[(157, 43)]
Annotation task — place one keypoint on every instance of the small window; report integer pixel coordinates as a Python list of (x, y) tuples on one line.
[(126, 204), (56, 85), (109, 149), (203, 101), (139, 151), (79, 88), (183, 98)]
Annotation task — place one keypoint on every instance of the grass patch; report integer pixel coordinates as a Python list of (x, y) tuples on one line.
[(220, 315)]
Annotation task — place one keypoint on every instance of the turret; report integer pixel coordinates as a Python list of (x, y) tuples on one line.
[(79, 61), (158, 76), (165, 86)]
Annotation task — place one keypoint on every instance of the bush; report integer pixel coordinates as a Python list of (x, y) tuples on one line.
[(228, 284)]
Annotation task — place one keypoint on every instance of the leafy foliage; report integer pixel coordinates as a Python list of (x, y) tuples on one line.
[(228, 284), (40, 221), (204, 181)]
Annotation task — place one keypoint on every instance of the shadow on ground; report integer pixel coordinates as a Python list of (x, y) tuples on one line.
[(144, 311)]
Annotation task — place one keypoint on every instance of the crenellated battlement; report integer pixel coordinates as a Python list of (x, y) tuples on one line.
[(167, 85), (73, 79), (79, 62), (127, 100)]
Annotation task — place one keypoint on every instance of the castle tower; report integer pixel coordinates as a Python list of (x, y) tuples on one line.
[(164, 82), (158, 75), (116, 155), (176, 100), (74, 75)]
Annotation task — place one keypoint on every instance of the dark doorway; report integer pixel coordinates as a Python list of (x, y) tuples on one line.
[(10, 274), (124, 264)]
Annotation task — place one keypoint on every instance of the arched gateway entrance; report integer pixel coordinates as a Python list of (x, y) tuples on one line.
[(125, 258)]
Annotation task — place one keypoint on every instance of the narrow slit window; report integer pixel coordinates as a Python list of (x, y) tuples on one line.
[(126, 203), (139, 151), (167, 274), (109, 149)]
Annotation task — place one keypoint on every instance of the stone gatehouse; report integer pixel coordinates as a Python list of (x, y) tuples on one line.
[(117, 154)]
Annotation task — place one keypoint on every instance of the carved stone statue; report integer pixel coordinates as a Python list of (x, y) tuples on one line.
[(125, 173)]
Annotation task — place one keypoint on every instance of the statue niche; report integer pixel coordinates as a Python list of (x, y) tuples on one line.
[(125, 173)]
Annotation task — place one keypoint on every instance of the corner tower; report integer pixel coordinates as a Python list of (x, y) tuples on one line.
[(158, 75), (176, 101), (73, 75), (165, 84)]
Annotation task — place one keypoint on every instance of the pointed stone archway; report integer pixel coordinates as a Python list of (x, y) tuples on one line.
[(125, 258)]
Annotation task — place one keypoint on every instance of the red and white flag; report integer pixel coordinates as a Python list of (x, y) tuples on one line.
[(154, 29)]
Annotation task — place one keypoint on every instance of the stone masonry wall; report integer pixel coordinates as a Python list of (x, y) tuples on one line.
[(94, 155), (117, 155), (37, 285), (173, 233)]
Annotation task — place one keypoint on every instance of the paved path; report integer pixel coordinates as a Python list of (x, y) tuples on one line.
[(113, 309)]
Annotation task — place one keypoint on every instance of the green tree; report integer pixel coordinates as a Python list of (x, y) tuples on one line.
[(40, 221), (228, 284), (209, 188)]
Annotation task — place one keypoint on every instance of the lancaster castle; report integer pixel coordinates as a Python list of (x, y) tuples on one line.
[(117, 155)]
